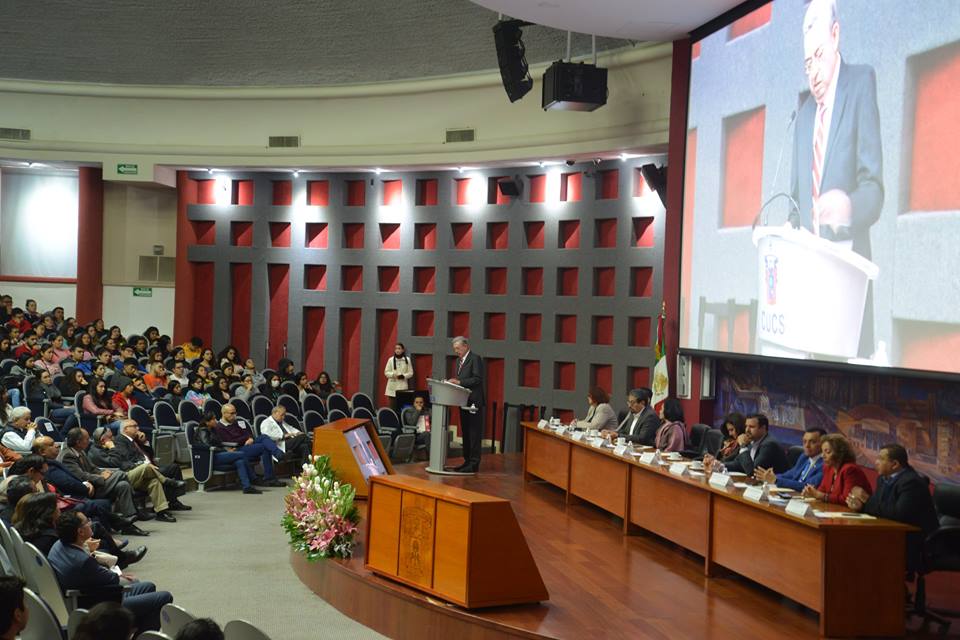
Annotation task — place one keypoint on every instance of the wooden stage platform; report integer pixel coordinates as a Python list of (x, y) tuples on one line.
[(602, 584)]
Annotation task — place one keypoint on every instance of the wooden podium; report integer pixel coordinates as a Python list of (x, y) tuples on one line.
[(331, 440), (458, 545)]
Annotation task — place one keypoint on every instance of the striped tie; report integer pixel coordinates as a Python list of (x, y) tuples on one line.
[(817, 166)]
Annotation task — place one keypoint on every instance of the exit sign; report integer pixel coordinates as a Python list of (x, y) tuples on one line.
[(127, 169), (143, 292)]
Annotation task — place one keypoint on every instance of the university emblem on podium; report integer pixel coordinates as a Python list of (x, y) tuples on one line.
[(770, 278)]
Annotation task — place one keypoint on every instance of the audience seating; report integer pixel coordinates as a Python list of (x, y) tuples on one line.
[(46, 427), (313, 402), (73, 621), (212, 405), (403, 447), (243, 409), (43, 624), (388, 420), (290, 388), (262, 406), (174, 618), (312, 420), (360, 399), (255, 427), (37, 408), (294, 421), (337, 401), (335, 414), (201, 459), (363, 412), (289, 403), (154, 635), (13, 552), (941, 552), (168, 422), (697, 433), (243, 630), (189, 412)]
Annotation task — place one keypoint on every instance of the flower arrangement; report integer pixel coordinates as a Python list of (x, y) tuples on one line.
[(320, 516)]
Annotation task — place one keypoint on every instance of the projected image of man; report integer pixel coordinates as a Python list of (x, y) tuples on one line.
[(837, 176)]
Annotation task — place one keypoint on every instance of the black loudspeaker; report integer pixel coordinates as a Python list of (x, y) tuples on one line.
[(508, 37), (574, 87), (509, 187), (656, 179)]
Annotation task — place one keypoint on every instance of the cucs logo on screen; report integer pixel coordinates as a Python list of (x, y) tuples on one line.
[(770, 277)]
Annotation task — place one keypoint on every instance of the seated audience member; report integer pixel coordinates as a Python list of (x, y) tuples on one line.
[(142, 396), (220, 390), (85, 341), (129, 371), (132, 449), (734, 426), (28, 347), (195, 393), (105, 357), (60, 350), (250, 369), (18, 488), (35, 516), (304, 387), (600, 415), (247, 390), (14, 615), (286, 369), (46, 361), (157, 376), (6, 352), (672, 434), (807, 470), (208, 359), (232, 429), (229, 371), (226, 456), (271, 389), (20, 431), (324, 385), (902, 495), (75, 494), (75, 359), (759, 449), (122, 398), (192, 348), (174, 394), (179, 374), (641, 423), (228, 355), (107, 621), (73, 382), (418, 417), (841, 473), (289, 439), (18, 321), (200, 629), (44, 389), (30, 312), (77, 569), (97, 403)]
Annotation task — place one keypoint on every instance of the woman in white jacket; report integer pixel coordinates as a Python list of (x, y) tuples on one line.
[(398, 371)]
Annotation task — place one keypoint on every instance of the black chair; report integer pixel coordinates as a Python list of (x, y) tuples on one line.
[(712, 442), (293, 421), (267, 374), (289, 403), (189, 412), (312, 420), (403, 447), (361, 399), (38, 407), (338, 401), (387, 420), (697, 432), (262, 406), (46, 427), (201, 458), (290, 388), (257, 420), (243, 409), (364, 414), (793, 454), (941, 552), (212, 405), (313, 402), (335, 415)]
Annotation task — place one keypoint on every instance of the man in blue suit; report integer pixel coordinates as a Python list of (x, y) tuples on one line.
[(807, 470), (72, 559), (837, 174)]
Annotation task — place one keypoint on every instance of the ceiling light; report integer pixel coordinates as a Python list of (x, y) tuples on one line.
[(296, 173), (210, 170), (378, 170)]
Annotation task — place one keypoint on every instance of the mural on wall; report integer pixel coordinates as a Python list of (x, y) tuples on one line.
[(870, 410)]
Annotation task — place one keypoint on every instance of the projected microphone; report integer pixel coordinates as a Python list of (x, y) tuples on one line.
[(793, 217)]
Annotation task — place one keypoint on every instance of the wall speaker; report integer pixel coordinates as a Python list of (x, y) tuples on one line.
[(508, 37), (656, 179), (509, 187), (569, 86)]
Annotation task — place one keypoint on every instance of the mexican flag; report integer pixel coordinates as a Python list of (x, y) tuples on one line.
[(661, 377)]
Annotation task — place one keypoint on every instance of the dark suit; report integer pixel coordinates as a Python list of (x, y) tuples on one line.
[(853, 163), (645, 432), (116, 489), (471, 375), (77, 569), (769, 455), (906, 499), (130, 457)]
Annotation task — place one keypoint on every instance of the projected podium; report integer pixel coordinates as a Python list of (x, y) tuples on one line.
[(443, 395), (811, 294)]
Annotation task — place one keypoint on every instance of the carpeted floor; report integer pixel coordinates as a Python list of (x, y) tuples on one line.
[(228, 558)]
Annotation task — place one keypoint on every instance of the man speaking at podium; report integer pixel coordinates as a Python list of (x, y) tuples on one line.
[(837, 175), (470, 374)]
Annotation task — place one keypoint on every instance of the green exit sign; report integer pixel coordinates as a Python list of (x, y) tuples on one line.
[(127, 169), (143, 292)]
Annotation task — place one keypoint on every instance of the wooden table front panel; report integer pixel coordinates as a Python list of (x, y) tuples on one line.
[(450, 556), (383, 539), (599, 479), (417, 526), (671, 509), (782, 555), (547, 457)]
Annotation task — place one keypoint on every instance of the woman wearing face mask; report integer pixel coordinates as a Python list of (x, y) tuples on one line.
[(398, 371), (272, 388)]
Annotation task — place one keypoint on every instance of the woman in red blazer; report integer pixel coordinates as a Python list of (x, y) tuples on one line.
[(841, 473)]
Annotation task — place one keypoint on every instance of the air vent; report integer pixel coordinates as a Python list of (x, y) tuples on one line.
[(284, 141), (20, 135), (461, 135), (157, 269)]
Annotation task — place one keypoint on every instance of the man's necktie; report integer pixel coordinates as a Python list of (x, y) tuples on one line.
[(818, 144)]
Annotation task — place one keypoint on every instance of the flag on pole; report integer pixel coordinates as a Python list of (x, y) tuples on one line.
[(661, 376)]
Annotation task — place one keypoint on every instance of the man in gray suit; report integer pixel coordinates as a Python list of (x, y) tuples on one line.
[(111, 485), (641, 423), (837, 175), (758, 449), (470, 374)]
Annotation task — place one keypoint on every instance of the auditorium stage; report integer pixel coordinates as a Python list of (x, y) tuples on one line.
[(601, 583)]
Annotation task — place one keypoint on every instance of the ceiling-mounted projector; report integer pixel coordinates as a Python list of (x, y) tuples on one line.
[(569, 86)]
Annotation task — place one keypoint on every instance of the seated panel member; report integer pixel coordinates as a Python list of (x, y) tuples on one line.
[(902, 495), (841, 473), (76, 568), (600, 415), (807, 470), (760, 450), (672, 434), (734, 426), (642, 422)]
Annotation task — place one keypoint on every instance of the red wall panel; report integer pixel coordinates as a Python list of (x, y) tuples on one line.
[(315, 277), (497, 235), (495, 326), (609, 184), (206, 192), (530, 326), (278, 284), (314, 326), (753, 20), (389, 235), (422, 369), (351, 277), (241, 234), (353, 235), (532, 281), (423, 322), (463, 191), (316, 237), (604, 281), (639, 332), (494, 195), (282, 193), (89, 290), (425, 236), (460, 280), (641, 282), (742, 167), (643, 232), (602, 330), (392, 192), (496, 281), (205, 232), (529, 373), (494, 373), (606, 233), (241, 285), (567, 281), (424, 279), (280, 234), (242, 192), (462, 235), (569, 237), (571, 187), (538, 188), (565, 376), (458, 324), (389, 279), (601, 375), (386, 339), (203, 282), (427, 192), (356, 193), (534, 234), (318, 193), (566, 329), (638, 377), (350, 320)]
